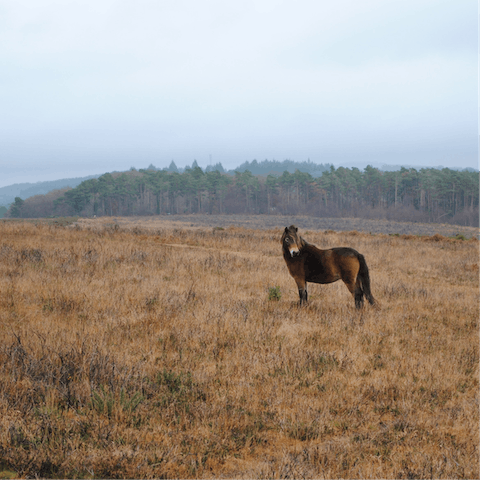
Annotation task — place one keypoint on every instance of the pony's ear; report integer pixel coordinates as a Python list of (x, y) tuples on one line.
[(296, 229), (286, 229)]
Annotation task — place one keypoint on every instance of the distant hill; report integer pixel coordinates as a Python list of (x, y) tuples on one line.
[(26, 190)]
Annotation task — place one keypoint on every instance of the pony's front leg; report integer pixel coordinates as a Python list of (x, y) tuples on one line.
[(302, 291)]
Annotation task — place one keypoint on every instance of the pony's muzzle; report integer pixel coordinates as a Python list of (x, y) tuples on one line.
[(294, 252)]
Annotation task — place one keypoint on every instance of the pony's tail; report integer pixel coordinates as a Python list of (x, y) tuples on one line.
[(364, 277)]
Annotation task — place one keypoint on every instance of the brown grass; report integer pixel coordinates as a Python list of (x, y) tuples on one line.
[(135, 352)]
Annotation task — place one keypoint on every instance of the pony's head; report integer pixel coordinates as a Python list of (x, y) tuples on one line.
[(291, 241)]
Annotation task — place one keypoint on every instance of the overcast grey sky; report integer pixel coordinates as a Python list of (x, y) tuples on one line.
[(91, 86)]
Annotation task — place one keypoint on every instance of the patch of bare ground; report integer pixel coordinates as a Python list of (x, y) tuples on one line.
[(142, 348)]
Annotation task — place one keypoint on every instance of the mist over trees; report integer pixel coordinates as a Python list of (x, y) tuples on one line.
[(425, 195), (267, 167)]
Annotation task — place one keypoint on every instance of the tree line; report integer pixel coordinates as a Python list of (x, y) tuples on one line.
[(427, 195)]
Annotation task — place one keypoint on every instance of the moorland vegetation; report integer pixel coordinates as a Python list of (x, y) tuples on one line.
[(167, 351)]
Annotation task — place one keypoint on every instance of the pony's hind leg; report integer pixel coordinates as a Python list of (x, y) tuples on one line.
[(358, 294), (356, 291)]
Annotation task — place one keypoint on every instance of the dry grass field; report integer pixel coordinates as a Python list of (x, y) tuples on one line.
[(163, 350)]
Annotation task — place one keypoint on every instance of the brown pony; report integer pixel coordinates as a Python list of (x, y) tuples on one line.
[(307, 263)]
